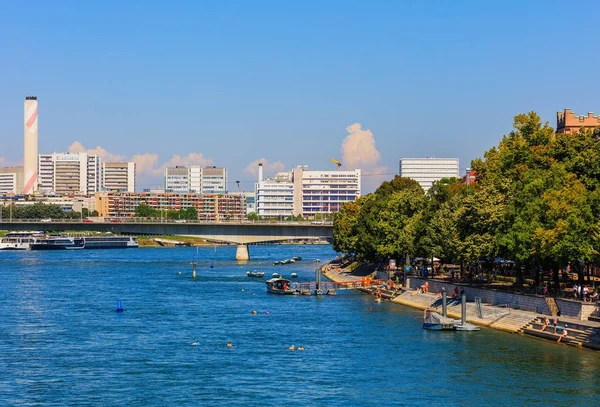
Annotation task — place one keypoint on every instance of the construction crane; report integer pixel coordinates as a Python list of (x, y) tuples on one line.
[(336, 162)]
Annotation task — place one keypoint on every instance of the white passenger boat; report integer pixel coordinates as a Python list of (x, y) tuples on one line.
[(19, 240)]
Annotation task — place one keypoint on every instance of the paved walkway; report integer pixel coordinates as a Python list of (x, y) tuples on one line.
[(582, 333)]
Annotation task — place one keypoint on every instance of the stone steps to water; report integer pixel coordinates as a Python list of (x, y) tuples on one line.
[(568, 340)]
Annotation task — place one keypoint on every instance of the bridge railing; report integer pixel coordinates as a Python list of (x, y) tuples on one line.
[(163, 221)]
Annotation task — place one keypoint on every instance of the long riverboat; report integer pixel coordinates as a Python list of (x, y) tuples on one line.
[(84, 242)]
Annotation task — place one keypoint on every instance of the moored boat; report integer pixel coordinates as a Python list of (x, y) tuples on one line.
[(58, 243), (85, 242), (280, 286), (436, 322), (257, 274), (19, 240)]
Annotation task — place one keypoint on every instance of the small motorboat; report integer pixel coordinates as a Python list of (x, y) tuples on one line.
[(297, 258), (275, 275), (294, 275), (255, 273), (436, 322), (280, 286)]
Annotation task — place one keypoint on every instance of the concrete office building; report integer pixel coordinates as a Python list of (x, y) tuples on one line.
[(11, 181), (306, 193), (427, 170), (275, 196), (196, 179), (324, 192), (30, 145), (69, 173), (118, 177)]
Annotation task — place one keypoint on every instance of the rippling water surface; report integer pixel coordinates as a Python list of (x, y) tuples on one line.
[(62, 343)]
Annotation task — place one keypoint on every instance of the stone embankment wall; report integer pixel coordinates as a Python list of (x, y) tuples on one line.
[(568, 308)]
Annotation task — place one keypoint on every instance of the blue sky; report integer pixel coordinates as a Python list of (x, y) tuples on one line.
[(228, 83)]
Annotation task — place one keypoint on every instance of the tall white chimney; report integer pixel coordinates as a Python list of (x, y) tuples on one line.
[(260, 172), (30, 145)]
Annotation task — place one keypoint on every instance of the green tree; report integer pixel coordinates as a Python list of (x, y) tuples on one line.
[(145, 211)]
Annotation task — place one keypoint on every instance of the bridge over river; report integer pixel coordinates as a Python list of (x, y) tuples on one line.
[(240, 233)]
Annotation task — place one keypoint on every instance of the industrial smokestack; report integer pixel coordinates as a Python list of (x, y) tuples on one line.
[(260, 172), (30, 145)]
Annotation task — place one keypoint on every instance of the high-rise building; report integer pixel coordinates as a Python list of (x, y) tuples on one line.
[(306, 193), (69, 173), (11, 180), (119, 177), (324, 192), (30, 145), (427, 170), (177, 180), (567, 122), (196, 179)]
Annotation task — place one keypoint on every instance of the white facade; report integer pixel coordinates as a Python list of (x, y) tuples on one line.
[(306, 193), (196, 179), (275, 196), (324, 192), (69, 173), (427, 170), (118, 177), (11, 180)]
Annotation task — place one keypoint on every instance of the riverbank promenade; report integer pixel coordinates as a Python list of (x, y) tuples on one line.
[(580, 333)]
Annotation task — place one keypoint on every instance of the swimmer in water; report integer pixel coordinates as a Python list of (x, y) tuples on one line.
[(292, 348), (229, 345), (254, 312), (195, 343), (300, 347)]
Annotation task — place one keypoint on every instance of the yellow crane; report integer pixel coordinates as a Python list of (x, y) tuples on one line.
[(336, 162)]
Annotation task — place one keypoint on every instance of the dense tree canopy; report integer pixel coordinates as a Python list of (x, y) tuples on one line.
[(536, 201)]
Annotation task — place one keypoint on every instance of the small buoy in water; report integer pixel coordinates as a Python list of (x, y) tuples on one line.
[(195, 343), (253, 312), (179, 272), (229, 345), (243, 290), (119, 307), (267, 312), (212, 265)]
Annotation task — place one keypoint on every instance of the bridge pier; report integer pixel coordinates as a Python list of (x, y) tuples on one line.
[(242, 252)]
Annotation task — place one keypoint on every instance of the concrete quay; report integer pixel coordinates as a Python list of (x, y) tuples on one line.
[(527, 320)]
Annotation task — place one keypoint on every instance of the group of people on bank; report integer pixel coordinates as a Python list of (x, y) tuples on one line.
[(562, 331)]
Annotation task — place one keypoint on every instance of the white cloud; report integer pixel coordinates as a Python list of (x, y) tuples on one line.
[(358, 148), (145, 163), (359, 151), (269, 168), (77, 147)]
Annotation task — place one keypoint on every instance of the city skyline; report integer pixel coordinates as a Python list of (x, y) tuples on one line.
[(287, 84)]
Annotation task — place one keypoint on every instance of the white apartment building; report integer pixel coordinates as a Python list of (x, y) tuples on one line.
[(427, 170), (324, 192), (306, 193), (196, 179), (11, 180), (118, 177), (69, 173), (275, 196)]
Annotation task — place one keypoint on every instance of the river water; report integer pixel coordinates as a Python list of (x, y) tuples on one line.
[(62, 343)]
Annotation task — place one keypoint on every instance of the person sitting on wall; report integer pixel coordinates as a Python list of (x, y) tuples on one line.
[(545, 324), (455, 293)]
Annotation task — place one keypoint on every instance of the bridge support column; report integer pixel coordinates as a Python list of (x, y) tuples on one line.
[(242, 252)]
